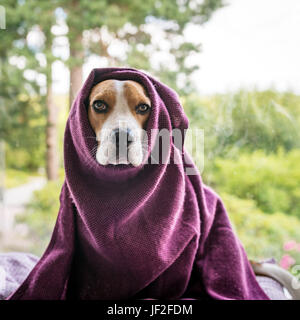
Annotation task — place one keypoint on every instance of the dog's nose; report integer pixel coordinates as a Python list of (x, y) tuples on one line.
[(122, 136)]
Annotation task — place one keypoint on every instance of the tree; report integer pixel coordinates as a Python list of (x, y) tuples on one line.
[(34, 18), (21, 124), (96, 26)]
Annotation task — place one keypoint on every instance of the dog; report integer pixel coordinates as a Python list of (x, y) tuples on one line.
[(118, 112)]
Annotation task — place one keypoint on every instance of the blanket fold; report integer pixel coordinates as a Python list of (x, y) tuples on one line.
[(125, 232)]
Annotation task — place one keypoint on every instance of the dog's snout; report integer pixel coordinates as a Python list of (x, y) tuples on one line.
[(122, 136)]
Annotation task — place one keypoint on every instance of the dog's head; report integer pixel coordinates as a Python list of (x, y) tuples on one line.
[(118, 112)]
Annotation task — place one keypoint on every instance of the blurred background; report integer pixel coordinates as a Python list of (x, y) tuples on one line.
[(235, 65)]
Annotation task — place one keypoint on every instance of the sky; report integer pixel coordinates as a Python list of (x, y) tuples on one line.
[(251, 43), (247, 44)]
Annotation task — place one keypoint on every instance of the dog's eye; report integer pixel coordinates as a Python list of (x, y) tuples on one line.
[(142, 108), (100, 106)]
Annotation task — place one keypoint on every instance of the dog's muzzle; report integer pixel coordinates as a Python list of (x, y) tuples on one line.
[(122, 138), (121, 146)]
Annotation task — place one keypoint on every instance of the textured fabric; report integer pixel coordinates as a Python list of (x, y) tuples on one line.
[(272, 288), (14, 268), (127, 232)]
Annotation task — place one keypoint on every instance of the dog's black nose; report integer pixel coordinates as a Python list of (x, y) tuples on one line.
[(122, 137)]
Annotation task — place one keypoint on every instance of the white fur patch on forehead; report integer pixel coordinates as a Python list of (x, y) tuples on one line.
[(121, 115), (121, 105), (119, 85)]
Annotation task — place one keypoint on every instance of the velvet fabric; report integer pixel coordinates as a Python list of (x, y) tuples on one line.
[(125, 232)]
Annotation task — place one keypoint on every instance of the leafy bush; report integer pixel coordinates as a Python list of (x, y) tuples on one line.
[(262, 235), (245, 121), (251, 157), (22, 126), (272, 181)]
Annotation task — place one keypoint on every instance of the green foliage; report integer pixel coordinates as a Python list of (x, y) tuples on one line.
[(245, 120), (22, 121), (22, 115), (252, 159), (24, 134), (272, 181), (263, 121), (262, 235), (22, 101)]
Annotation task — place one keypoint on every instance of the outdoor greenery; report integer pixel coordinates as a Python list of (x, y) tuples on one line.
[(32, 43), (272, 181), (252, 160), (264, 236)]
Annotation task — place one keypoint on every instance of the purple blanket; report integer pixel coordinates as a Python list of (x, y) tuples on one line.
[(127, 232), (15, 267)]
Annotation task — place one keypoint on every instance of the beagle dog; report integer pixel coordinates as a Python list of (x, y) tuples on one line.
[(118, 112)]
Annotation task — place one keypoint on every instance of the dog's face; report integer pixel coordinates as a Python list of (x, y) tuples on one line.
[(118, 112)]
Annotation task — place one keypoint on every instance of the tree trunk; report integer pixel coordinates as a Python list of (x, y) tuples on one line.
[(76, 54), (52, 163)]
